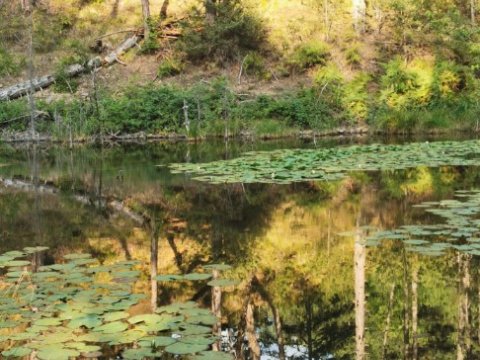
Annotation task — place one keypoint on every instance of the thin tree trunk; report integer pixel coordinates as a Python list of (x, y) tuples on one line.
[(463, 341), (217, 310), (406, 312), (31, 68), (415, 312), (473, 11), (154, 233), (146, 18), (359, 8), (242, 325), (360, 256), (251, 334), (387, 322)]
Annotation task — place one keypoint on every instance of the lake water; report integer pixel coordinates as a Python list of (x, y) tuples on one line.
[(304, 285)]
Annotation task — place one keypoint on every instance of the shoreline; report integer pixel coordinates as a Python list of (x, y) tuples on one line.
[(142, 137)]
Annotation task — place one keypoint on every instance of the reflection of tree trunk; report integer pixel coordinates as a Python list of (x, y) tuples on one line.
[(406, 312), (251, 335), (387, 322), (277, 319), (217, 310), (242, 325), (309, 322), (360, 256), (154, 233), (415, 312), (176, 253), (463, 341)]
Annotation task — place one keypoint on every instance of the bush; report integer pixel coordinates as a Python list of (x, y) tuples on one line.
[(309, 55), (8, 65), (253, 64), (234, 31), (169, 67), (356, 98), (354, 58)]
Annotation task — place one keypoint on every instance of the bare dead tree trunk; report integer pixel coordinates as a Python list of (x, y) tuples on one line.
[(146, 18), (387, 322), (31, 67), (473, 11), (217, 310), (463, 341), (360, 257), (359, 9), (251, 335), (414, 312), (164, 9)]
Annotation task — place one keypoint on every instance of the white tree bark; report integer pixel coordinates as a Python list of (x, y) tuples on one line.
[(359, 10), (360, 257)]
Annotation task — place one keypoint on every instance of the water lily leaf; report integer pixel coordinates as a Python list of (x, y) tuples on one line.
[(219, 267), (155, 341), (197, 277), (59, 353), (183, 348), (223, 282), (167, 278), (198, 340), (147, 318), (213, 355), (17, 352), (114, 316), (113, 327)]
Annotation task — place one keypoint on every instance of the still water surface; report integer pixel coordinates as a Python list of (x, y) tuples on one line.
[(310, 291)]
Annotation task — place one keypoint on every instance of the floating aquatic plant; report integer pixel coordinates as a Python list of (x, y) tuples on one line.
[(460, 229), (328, 164), (80, 308)]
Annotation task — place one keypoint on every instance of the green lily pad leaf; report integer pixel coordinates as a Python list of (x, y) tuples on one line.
[(116, 315), (18, 263), (77, 256), (183, 348), (219, 267), (155, 341), (89, 322), (203, 319), (113, 327), (167, 278), (147, 318), (17, 352), (59, 353), (213, 355), (190, 329), (197, 277), (223, 282), (198, 340), (48, 322)]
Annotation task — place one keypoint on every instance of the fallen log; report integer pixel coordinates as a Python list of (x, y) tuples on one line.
[(18, 90)]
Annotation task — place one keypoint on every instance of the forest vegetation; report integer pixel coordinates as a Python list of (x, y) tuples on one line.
[(231, 67)]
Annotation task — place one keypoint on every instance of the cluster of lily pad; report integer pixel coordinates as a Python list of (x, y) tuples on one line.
[(460, 230), (287, 166), (80, 308)]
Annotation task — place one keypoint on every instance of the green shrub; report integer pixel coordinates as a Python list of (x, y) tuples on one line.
[(309, 55), (169, 67), (254, 65), (234, 31), (8, 65), (353, 56), (356, 99)]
